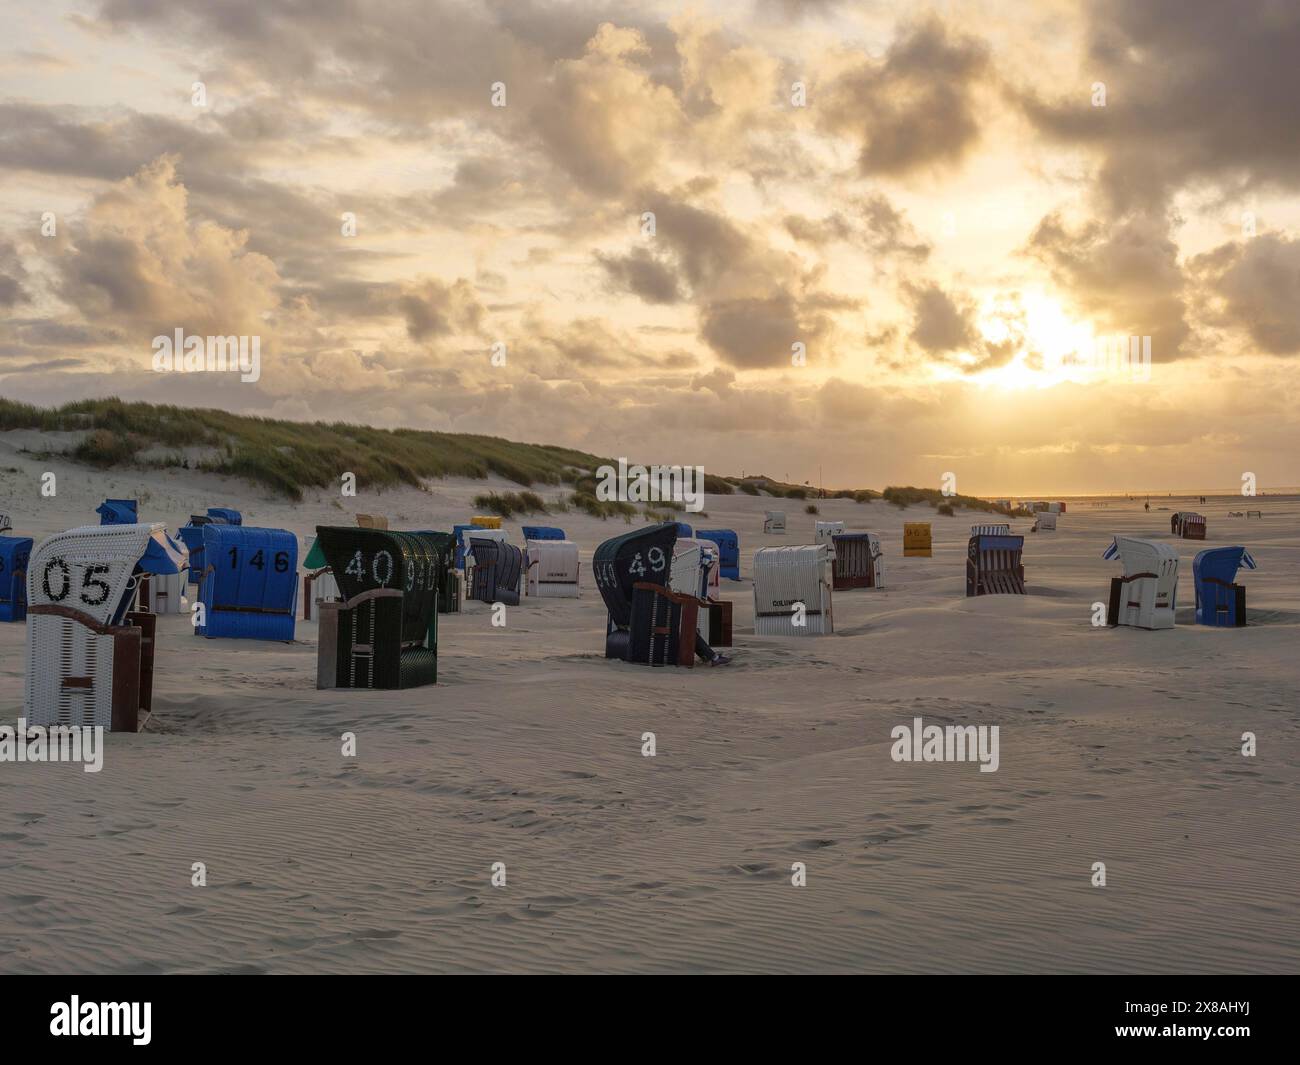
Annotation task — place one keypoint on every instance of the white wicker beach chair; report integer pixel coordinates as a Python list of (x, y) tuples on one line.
[(552, 567), (774, 522), (89, 660), (877, 561), (164, 593), (784, 576), (824, 533), (1146, 597), (684, 575)]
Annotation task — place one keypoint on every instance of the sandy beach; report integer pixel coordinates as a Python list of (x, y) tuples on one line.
[(1119, 746)]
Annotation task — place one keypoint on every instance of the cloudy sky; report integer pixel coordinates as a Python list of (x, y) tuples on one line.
[(889, 241)]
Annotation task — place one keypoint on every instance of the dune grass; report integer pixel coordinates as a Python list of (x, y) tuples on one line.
[(289, 457), (508, 504), (903, 497)]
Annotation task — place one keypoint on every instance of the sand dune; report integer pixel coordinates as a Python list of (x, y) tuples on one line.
[(1119, 746)]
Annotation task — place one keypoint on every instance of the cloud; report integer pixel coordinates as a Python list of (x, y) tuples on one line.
[(915, 109), (140, 264), (640, 273), (755, 333), (1124, 274), (603, 119), (872, 223), (752, 299), (1196, 90), (12, 276), (1258, 283), (435, 309), (940, 324)]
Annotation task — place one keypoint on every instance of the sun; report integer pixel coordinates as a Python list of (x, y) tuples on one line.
[(1049, 347)]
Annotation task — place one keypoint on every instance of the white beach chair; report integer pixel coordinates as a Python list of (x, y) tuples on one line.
[(824, 533), (89, 659), (164, 593), (786, 576), (774, 522), (684, 576), (1146, 596), (552, 567)]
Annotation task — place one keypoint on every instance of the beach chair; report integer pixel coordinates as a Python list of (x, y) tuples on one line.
[(785, 577), (994, 566), (372, 521), (917, 539), (552, 567), (649, 621), (1219, 601), (250, 583), (663, 627), (998, 529), (383, 633), (459, 532), (318, 583), (164, 593), (90, 658), (543, 532), (715, 622), (703, 558), (497, 566), (858, 561), (1146, 596), (448, 578), (191, 535), (774, 522), (685, 573), (484, 521), (1046, 522), (710, 567), (15, 553), (1188, 524), (824, 532), (729, 551), (449, 591), (117, 512)]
